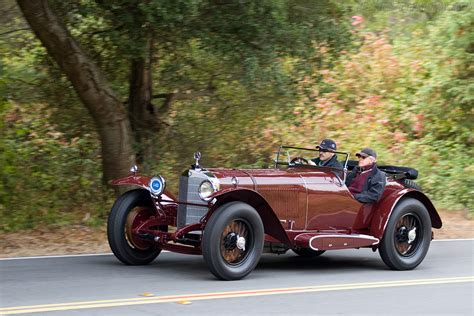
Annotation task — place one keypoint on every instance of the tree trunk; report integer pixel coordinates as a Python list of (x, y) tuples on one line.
[(140, 108), (92, 88)]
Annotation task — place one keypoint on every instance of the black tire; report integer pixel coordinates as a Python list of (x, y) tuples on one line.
[(308, 252), (221, 250), (399, 249), (123, 248)]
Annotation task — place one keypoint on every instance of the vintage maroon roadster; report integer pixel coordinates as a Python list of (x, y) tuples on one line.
[(232, 216)]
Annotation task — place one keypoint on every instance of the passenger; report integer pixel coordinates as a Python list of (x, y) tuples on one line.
[(327, 156), (366, 182)]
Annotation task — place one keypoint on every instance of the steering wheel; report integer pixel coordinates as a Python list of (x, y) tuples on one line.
[(299, 161)]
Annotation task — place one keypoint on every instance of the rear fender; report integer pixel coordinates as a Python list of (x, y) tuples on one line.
[(271, 223), (388, 204)]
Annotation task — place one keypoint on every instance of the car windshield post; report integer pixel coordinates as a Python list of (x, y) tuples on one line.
[(344, 174), (277, 157)]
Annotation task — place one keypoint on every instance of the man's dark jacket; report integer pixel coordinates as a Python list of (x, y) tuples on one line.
[(373, 186), (333, 162)]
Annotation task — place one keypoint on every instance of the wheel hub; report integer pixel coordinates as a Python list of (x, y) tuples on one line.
[(230, 241), (412, 235), (402, 234), (241, 243)]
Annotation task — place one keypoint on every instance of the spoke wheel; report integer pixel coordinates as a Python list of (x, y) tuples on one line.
[(235, 241), (232, 241), (407, 236)]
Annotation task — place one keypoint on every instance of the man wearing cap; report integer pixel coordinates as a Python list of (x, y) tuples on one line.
[(327, 156), (366, 182)]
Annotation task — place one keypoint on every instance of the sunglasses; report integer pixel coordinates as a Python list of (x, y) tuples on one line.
[(361, 157)]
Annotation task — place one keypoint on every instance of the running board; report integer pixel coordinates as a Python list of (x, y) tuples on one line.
[(325, 241)]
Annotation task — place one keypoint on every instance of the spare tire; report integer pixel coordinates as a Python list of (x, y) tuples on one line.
[(411, 184)]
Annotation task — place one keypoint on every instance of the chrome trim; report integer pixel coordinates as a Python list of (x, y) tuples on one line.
[(215, 182), (359, 236), (241, 243), (344, 169), (197, 155), (277, 157), (213, 189), (281, 148), (412, 235), (206, 176), (134, 169), (163, 186), (291, 222)]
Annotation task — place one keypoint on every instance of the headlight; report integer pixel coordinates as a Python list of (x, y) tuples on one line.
[(206, 189), (157, 185)]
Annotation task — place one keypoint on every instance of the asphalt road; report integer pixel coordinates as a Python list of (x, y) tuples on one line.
[(353, 282)]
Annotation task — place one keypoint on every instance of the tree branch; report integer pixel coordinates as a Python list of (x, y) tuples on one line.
[(184, 95), (16, 30), (173, 96)]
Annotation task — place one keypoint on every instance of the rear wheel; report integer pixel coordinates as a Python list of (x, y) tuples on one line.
[(129, 211), (233, 241), (407, 237)]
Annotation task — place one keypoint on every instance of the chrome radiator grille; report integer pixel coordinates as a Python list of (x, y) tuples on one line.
[(188, 192)]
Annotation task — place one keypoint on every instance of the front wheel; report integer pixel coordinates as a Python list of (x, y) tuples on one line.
[(129, 211), (407, 236), (233, 241)]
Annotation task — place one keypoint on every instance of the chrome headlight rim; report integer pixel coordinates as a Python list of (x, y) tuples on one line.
[(212, 187), (157, 186)]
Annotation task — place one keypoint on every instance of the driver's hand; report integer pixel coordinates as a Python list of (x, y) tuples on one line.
[(310, 162)]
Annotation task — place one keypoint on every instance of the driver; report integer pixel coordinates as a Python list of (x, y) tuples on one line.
[(327, 156)]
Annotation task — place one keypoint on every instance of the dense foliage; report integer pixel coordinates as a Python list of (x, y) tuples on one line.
[(409, 97), (403, 88)]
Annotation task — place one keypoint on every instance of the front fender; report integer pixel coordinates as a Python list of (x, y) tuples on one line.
[(271, 223), (142, 182), (388, 204)]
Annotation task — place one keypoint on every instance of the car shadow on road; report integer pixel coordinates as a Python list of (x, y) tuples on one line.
[(193, 267), (326, 262), (168, 264)]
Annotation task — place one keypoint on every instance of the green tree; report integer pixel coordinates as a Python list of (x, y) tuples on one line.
[(254, 35)]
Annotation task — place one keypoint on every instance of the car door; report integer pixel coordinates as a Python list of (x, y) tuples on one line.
[(330, 206)]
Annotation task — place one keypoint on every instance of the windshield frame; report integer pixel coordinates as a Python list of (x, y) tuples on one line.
[(282, 149)]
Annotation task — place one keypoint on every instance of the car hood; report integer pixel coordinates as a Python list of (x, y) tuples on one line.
[(253, 178)]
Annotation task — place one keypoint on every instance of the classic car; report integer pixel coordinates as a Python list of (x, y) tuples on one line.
[(231, 216)]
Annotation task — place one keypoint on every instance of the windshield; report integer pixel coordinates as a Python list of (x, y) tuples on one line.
[(296, 156)]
